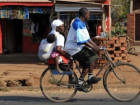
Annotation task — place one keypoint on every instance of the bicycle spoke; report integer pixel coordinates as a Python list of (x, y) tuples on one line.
[(56, 87), (122, 86)]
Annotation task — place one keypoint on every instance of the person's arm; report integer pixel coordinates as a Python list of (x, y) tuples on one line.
[(90, 41), (61, 52), (59, 44), (93, 46)]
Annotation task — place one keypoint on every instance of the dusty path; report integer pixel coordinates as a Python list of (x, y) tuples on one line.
[(34, 70)]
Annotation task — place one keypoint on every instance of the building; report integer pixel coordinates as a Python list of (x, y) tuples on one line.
[(133, 22), (24, 23)]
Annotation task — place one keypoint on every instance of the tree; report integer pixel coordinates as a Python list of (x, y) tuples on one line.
[(120, 11)]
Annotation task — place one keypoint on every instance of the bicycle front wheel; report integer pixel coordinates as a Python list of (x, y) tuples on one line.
[(127, 87), (56, 86)]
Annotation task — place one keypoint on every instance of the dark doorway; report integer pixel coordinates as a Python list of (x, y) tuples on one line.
[(137, 27), (18, 35)]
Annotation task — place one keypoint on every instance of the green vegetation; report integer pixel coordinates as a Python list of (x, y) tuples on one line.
[(121, 9)]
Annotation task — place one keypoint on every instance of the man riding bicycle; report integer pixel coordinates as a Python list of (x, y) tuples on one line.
[(77, 38)]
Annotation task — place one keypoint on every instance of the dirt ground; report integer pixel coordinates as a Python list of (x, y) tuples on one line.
[(31, 72)]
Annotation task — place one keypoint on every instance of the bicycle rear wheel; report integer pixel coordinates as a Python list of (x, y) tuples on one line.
[(127, 91), (56, 87)]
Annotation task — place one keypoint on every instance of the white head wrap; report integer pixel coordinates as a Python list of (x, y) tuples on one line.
[(55, 24)]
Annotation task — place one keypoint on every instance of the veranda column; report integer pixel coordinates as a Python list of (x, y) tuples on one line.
[(0, 38)]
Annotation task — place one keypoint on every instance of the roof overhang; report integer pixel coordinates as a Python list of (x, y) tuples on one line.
[(83, 2), (26, 1), (136, 11), (76, 7)]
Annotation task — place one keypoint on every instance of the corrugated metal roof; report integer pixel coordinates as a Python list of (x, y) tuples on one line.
[(47, 0), (85, 0), (25, 0)]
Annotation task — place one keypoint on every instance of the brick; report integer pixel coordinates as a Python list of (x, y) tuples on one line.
[(125, 61), (117, 58), (117, 41), (117, 45), (103, 61), (110, 49), (123, 48), (110, 45), (123, 45), (124, 58), (124, 51), (117, 52), (114, 38), (111, 55), (111, 42), (123, 55), (122, 38), (117, 55), (122, 41)]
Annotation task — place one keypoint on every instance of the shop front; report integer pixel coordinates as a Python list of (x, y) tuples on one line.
[(23, 25), (100, 17)]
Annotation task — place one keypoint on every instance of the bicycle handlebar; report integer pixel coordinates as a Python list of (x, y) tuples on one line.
[(103, 48)]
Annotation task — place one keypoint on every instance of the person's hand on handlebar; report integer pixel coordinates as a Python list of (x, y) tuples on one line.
[(102, 47), (97, 48)]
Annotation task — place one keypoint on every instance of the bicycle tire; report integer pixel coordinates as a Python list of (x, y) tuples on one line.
[(58, 93), (108, 85)]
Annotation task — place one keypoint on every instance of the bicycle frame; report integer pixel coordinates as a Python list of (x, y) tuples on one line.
[(110, 65)]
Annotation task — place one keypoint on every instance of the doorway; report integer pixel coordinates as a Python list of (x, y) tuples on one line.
[(12, 35), (18, 35)]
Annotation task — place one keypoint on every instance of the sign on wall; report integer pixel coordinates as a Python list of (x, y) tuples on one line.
[(27, 28)]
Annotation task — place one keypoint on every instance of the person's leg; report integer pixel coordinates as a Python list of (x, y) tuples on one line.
[(90, 74), (72, 80), (91, 78), (57, 64), (84, 73), (89, 62)]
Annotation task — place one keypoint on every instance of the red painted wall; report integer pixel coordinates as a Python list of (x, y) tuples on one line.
[(28, 46), (0, 38), (26, 4), (105, 2)]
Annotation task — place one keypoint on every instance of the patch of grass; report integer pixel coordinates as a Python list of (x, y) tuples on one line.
[(4, 89), (51, 81)]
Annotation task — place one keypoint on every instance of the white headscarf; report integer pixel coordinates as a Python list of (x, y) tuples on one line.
[(55, 24)]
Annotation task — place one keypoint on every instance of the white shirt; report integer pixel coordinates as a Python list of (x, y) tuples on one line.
[(32, 28), (45, 49), (77, 36), (59, 41)]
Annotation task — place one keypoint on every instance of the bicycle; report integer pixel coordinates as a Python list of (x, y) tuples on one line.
[(55, 85)]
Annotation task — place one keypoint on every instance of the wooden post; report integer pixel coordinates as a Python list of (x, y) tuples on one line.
[(0, 38), (58, 15), (131, 6), (103, 20), (109, 33)]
